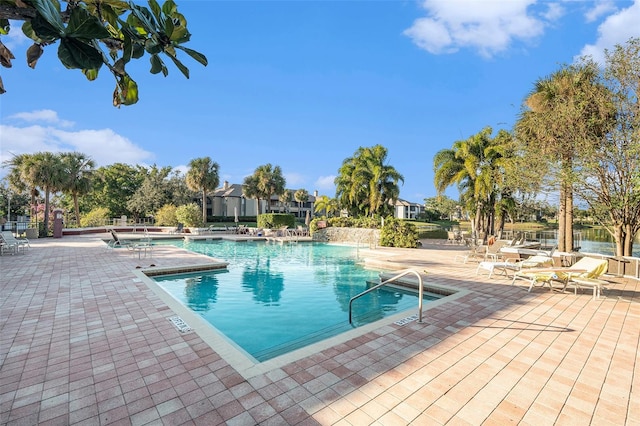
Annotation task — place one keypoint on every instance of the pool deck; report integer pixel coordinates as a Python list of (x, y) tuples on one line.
[(84, 341)]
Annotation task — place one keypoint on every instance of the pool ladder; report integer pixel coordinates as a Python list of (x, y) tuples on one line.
[(390, 280)]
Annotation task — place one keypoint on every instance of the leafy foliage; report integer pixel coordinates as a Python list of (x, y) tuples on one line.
[(397, 233), (166, 216), (276, 220), (203, 176), (124, 29), (366, 185), (189, 215), (265, 181), (96, 217)]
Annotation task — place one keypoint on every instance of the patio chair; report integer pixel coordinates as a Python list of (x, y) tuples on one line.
[(513, 264), (178, 229), (583, 273), (14, 244), (493, 251)]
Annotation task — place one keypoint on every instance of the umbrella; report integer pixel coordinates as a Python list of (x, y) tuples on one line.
[(307, 220), (235, 214)]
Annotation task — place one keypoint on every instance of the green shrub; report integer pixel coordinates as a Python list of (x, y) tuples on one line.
[(96, 217), (276, 220), (189, 215), (397, 233), (166, 216)]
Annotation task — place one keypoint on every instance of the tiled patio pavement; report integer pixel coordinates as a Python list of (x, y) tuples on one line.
[(83, 343)]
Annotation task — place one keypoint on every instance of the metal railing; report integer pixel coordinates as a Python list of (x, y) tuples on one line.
[(387, 281)]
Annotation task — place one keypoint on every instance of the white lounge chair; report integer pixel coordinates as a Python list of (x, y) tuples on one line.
[(584, 273), (14, 244), (513, 264)]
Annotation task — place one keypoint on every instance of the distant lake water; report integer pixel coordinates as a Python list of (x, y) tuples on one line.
[(590, 240), (598, 240)]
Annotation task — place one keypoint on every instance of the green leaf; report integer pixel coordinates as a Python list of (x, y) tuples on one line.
[(75, 54), (195, 55), (44, 30), (155, 9), (109, 15), (27, 29), (179, 33), (127, 49), (118, 67), (50, 13), (144, 17), (152, 46), (168, 27), (90, 74), (128, 91), (85, 26), (34, 52), (138, 51), (169, 8), (156, 64), (181, 67), (5, 26)]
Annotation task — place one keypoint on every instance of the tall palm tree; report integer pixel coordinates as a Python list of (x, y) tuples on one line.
[(18, 177), (366, 184), (203, 176), (301, 196), (285, 199), (560, 119), (250, 190), (475, 165), (265, 182), (327, 205), (78, 172), (45, 169)]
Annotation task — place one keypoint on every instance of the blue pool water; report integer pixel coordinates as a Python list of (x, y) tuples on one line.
[(275, 298)]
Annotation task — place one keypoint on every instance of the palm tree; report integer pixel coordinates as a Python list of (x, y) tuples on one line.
[(203, 176), (301, 196), (19, 178), (366, 184), (265, 182), (326, 205), (561, 118), (45, 169), (477, 166), (250, 190), (78, 173), (285, 199)]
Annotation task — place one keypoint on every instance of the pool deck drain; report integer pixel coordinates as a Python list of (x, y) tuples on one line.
[(179, 323)]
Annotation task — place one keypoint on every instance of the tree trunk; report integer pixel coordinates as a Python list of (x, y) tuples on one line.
[(562, 219), (619, 238), (76, 207), (568, 236), (628, 243), (46, 212), (204, 207)]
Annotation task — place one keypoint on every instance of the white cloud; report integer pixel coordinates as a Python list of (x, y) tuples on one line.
[(601, 8), (294, 180), (615, 29), (488, 27), (15, 37), (325, 183), (43, 115), (103, 145)]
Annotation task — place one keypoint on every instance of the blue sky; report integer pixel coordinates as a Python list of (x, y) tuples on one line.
[(303, 84)]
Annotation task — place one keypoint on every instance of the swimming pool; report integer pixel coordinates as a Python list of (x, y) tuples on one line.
[(274, 298)]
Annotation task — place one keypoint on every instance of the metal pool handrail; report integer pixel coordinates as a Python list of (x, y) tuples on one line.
[(385, 282)]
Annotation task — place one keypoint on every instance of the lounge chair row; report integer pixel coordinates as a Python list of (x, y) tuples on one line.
[(10, 244)]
